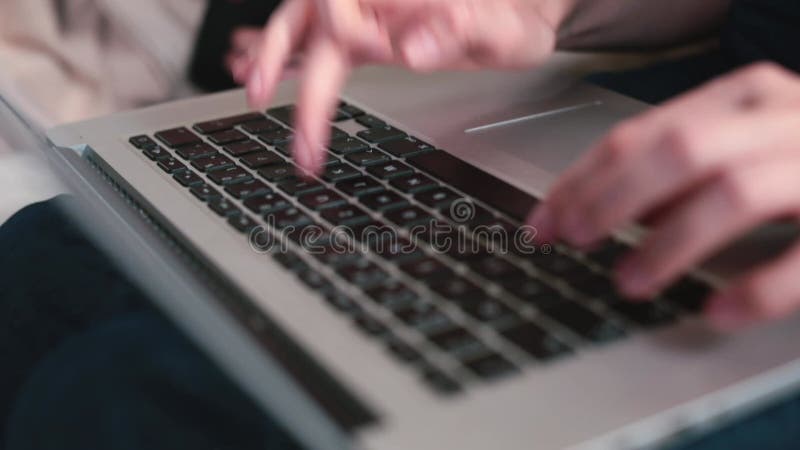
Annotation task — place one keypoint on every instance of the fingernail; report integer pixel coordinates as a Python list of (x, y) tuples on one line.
[(255, 88), (422, 49), (728, 313)]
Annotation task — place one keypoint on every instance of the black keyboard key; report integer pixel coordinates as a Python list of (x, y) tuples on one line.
[(395, 248), (395, 296), (143, 142), (276, 137), (261, 159), (171, 165), (646, 314), (347, 145), (370, 325), (350, 110), (277, 172), (379, 135), (383, 201), (284, 114), (438, 198), (425, 318), (261, 126), (248, 189), (342, 302), (337, 134), (366, 232), (369, 157), (535, 341), (211, 163), (457, 288), (229, 175), (608, 255), (187, 178), (426, 269), (290, 261), (223, 207), (243, 148), (441, 383), (345, 215), (196, 151), (563, 266), (370, 121), (322, 200), (409, 216), (487, 310), (390, 170), (534, 292), (402, 351), (242, 223), (584, 322), (178, 137), (316, 281), (267, 203), (284, 149), (689, 293), (364, 274), (476, 183), (491, 366), (205, 193), (214, 126), (457, 341), (496, 269), (288, 217), (298, 186), (156, 153), (338, 172), (407, 147), (357, 187), (228, 137), (412, 184)]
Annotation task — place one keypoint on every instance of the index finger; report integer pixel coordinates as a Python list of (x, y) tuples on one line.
[(325, 72)]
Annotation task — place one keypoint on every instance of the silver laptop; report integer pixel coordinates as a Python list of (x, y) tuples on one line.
[(393, 302)]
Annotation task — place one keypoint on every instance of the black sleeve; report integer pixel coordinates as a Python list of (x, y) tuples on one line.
[(207, 70)]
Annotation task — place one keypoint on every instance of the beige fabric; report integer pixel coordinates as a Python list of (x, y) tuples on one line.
[(65, 60)]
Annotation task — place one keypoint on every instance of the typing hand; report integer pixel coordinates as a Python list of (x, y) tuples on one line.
[(334, 36), (702, 170)]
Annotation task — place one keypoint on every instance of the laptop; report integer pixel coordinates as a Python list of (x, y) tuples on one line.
[(397, 301)]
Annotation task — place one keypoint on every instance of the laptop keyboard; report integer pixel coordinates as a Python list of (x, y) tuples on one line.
[(427, 268)]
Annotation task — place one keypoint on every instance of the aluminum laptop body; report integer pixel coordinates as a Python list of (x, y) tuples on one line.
[(334, 388)]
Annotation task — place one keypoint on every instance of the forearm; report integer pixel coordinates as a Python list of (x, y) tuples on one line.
[(633, 24)]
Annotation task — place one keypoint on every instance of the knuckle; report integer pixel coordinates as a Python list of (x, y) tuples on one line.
[(683, 147), (735, 190), (622, 140)]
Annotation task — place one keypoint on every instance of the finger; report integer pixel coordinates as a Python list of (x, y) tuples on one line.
[(324, 74), (685, 156), (245, 38), (281, 37), (356, 27), (771, 292), (724, 209)]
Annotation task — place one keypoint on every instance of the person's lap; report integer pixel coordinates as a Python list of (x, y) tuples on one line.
[(88, 363)]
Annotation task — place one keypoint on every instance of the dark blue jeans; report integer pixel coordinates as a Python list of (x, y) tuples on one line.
[(87, 363)]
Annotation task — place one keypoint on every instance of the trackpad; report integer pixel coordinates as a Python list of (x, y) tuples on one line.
[(550, 140)]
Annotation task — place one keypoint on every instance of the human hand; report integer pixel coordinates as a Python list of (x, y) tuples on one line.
[(337, 35), (704, 169)]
